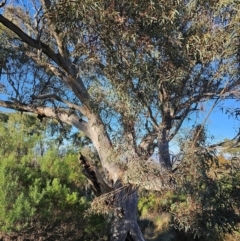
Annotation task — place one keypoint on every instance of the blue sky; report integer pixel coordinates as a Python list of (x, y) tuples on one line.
[(219, 124), (223, 125)]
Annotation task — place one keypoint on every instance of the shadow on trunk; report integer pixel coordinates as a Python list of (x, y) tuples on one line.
[(123, 204)]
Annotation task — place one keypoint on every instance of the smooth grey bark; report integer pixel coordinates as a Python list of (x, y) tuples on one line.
[(125, 226)]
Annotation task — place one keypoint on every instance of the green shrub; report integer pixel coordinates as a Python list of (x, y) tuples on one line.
[(42, 197), (201, 204)]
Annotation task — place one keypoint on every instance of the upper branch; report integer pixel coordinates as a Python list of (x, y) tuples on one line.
[(3, 3), (234, 143), (180, 122), (61, 48), (30, 41)]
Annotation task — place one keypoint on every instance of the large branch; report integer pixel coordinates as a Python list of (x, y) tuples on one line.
[(93, 130), (50, 67), (58, 114), (30, 41), (81, 109), (74, 82)]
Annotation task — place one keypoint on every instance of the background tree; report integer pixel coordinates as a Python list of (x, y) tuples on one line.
[(126, 73), (42, 196)]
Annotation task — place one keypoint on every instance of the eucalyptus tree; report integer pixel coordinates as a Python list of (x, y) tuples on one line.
[(125, 73)]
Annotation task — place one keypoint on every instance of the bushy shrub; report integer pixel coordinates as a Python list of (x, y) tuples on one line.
[(205, 199), (42, 197)]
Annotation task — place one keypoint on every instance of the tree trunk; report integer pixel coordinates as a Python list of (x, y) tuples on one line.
[(125, 226), (163, 147)]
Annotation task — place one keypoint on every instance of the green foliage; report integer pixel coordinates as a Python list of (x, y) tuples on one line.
[(42, 194), (212, 201), (66, 169), (159, 203), (16, 132), (136, 69), (205, 199)]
